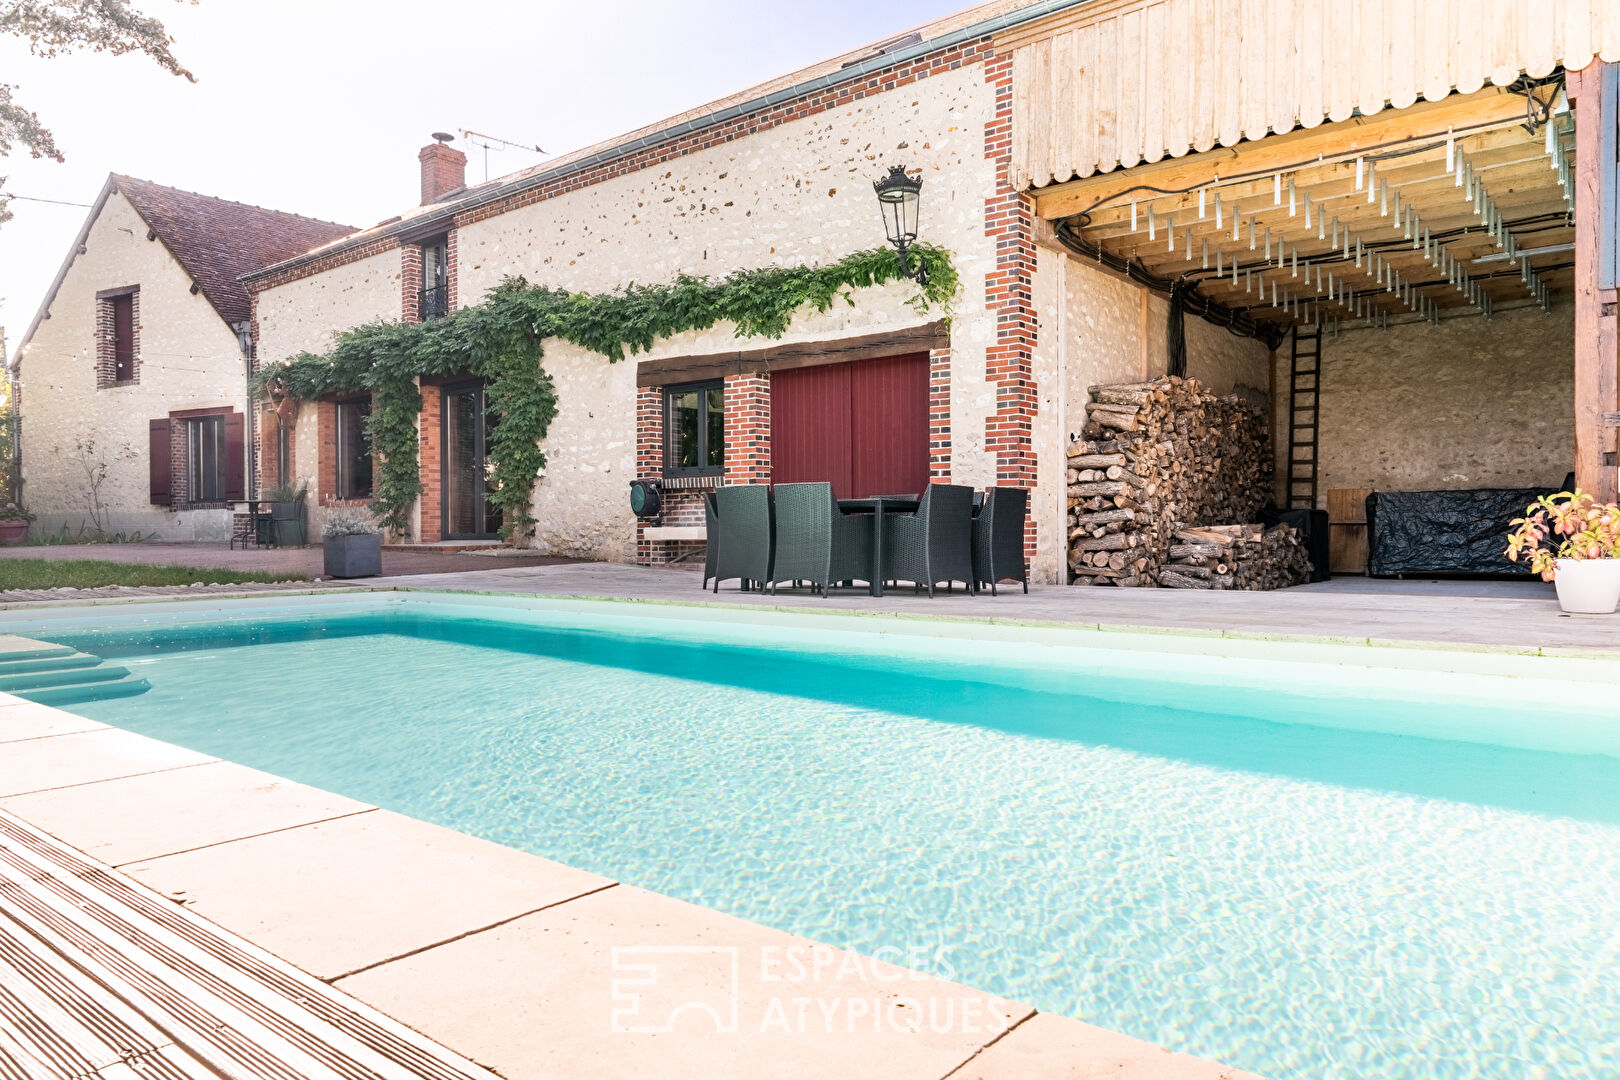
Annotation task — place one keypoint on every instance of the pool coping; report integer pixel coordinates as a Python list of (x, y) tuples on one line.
[(454, 982), (1420, 645)]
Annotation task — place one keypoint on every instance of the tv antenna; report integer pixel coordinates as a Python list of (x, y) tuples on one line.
[(491, 142)]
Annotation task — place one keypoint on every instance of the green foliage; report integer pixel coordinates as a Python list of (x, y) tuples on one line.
[(55, 27), (501, 340)]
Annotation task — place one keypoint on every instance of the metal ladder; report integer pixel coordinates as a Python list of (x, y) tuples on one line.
[(1304, 397)]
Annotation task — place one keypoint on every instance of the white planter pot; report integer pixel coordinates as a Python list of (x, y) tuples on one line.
[(1588, 586)]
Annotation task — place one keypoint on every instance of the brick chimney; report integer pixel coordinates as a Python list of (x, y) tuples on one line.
[(443, 169)]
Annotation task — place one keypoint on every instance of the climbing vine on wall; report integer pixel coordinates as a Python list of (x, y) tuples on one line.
[(501, 340)]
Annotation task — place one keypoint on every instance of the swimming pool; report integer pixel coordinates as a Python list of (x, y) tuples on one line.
[(1380, 873)]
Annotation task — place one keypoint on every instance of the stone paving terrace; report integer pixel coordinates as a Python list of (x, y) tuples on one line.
[(1521, 616)]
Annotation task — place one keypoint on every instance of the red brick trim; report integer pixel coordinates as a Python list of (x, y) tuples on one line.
[(107, 338), (679, 145), (939, 416), (1009, 292), (410, 282), (430, 465), (450, 289), (748, 429)]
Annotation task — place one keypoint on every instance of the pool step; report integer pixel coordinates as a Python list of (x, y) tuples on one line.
[(33, 662), (79, 693), (37, 680), (51, 674), (13, 648)]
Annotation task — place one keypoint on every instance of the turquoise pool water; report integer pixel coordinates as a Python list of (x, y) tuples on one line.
[(1172, 854)]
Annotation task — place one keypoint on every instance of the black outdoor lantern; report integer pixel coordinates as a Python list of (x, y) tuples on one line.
[(899, 196)]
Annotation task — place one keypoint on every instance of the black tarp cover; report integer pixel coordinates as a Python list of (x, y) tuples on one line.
[(1444, 532)]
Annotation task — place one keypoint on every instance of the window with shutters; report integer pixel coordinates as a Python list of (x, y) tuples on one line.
[(207, 466)]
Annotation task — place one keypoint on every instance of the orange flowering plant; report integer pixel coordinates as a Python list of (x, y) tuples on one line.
[(1579, 526)]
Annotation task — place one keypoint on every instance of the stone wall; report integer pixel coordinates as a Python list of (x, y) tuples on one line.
[(800, 192), (188, 359), (305, 315), (1472, 402)]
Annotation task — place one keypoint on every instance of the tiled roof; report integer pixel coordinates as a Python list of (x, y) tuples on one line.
[(217, 240)]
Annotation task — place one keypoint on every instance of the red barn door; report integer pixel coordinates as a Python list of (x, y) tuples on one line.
[(863, 426)]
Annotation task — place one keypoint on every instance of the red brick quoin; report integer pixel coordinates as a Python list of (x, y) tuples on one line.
[(1008, 291)]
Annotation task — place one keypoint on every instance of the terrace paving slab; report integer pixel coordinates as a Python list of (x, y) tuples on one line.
[(1053, 1047), (156, 814), (627, 981), (1514, 616), (341, 895), (86, 757), (21, 719)]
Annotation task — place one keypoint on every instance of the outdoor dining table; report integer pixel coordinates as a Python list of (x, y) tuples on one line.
[(878, 506)]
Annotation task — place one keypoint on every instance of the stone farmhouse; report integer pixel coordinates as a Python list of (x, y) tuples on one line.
[(1397, 230), (132, 378)]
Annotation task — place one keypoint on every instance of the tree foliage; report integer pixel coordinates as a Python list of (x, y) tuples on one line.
[(57, 27), (501, 340)]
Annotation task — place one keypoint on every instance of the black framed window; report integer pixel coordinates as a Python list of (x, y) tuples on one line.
[(435, 280), (695, 429), (353, 450), (205, 459)]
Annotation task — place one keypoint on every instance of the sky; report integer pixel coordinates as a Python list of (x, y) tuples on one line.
[(319, 106)]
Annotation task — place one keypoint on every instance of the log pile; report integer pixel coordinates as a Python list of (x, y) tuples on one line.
[(1155, 457), (1249, 557)]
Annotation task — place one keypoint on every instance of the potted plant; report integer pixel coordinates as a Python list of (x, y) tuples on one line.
[(14, 521), (287, 512), (1585, 564), (353, 547)]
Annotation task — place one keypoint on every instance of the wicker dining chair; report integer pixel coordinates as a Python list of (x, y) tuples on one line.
[(816, 542), (747, 534), (711, 537), (998, 538), (936, 543)]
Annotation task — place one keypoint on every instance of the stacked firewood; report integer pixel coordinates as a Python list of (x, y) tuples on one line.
[(1248, 557), (1154, 457)]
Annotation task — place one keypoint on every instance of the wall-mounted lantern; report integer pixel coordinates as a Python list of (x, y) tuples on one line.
[(899, 197)]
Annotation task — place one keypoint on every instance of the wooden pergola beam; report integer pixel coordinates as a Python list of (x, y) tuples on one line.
[(1425, 120), (1597, 324)]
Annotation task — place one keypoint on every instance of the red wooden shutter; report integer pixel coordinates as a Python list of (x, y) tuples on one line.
[(889, 436), (123, 337), (810, 427), (234, 457), (863, 426), (161, 464)]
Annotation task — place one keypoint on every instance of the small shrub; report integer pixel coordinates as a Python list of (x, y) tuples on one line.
[(348, 525)]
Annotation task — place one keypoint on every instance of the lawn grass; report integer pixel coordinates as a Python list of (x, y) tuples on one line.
[(93, 573)]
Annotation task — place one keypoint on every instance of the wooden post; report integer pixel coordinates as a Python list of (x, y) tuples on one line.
[(1597, 324)]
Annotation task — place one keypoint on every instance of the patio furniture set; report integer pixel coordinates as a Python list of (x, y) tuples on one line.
[(801, 533)]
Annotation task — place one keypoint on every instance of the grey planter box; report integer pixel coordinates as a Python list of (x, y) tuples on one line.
[(354, 556)]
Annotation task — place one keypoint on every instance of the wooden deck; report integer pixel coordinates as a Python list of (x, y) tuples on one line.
[(101, 977)]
